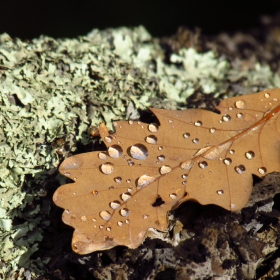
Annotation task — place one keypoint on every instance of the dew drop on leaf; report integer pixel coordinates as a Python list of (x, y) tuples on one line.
[(102, 155), (118, 179), (95, 192), (83, 218), (240, 169), (165, 169), (250, 155), (125, 196), (186, 135), (186, 165), (173, 195), (161, 158), (124, 212), (105, 215), (151, 139), (120, 223), (203, 164), (145, 216), (127, 221), (240, 104), (108, 229), (195, 140), (266, 95), (108, 139), (115, 151), (138, 151), (144, 180), (107, 168), (153, 127), (262, 170), (184, 176), (239, 115), (227, 161), (220, 192), (115, 204), (212, 130), (198, 123), (226, 118)]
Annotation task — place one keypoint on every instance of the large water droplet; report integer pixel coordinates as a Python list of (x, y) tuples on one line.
[(107, 168), (153, 127), (124, 212), (139, 151), (220, 192), (203, 164), (186, 165), (125, 196), (161, 158), (198, 123), (102, 155), (227, 161), (115, 204), (262, 170), (151, 139), (105, 215), (186, 135), (240, 169), (115, 151), (173, 195), (240, 104), (144, 180), (165, 169), (250, 155), (226, 118)]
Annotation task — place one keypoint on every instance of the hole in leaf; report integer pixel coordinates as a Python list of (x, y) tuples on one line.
[(158, 202)]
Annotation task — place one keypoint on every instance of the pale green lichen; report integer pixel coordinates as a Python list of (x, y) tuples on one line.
[(55, 88)]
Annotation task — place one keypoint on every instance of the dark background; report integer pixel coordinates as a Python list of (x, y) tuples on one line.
[(28, 19)]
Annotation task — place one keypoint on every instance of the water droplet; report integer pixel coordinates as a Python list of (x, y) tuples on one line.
[(83, 218), (266, 95), (160, 148), (144, 180), (227, 161), (95, 192), (240, 104), (107, 168), (170, 121), (230, 108), (115, 151), (232, 152), (94, 220), (130, 162), (145, 216), (130, 122), (108, 139), (153, 127), (127, 221), (198, 123), (129, 190), (203, 164), (125, 196), (226, 118), (120, 223), (195, 140), (161, 158), (240, 169), (239, 115), (173, 195), (232, 206), (124, 212), (101, 227), (111, 188), (115, 204), (250, 155), (151, 139), (102, 155), (262, 170), (139, 151), (212, 130), (184, 183), (128, 181), (67, 174), (105, 215), (108, 229), (67, 211), (220, 192), (118, 179), (165, 169), (275, 99), (186, 165), (186, 135), (185, 176)]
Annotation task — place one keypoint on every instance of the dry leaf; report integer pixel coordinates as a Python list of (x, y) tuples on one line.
[(150, 169)]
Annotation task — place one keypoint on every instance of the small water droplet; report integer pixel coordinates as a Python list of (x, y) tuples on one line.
[(101, 227), (105, 215), (250, 155), (275, 99), (266, 95), (102, 155), (74, 193), (212, 130), (130, 122), (94, 220), (240, 104), (226, 118), (230, 108), (115, 204), (151, 139), (124, 212), (239, 115), (118, 179), (160, 148), (185, 176), (232, 152), (184, 183), (108, 139), (232, 206), (161, 158), (120, 223), (125, 196), (67, 174), (108, 229), (111, 188), (83, 218), (107, 168), (127, 221), (165, 169), (220, 192), (186, 165), (95, 192), (240, 169), (227, 161), (128, 181), (67, 211), (195, 140), (203, 164), (186, 135), (139, 151), (130, 162), (198, 123), (115, 151), (170, 121), (75, 178), (145, 216), (262, 170), (153, 127), (173, 195), (144, 180)]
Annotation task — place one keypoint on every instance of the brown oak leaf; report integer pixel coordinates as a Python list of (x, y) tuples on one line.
[(149, 169)]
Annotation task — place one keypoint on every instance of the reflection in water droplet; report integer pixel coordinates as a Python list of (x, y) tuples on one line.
[(83, 218), (186, 135), (139, 151), (173, 195), (203, 164), (144, 180), (95, 192), (198, 123), (145, 216), (108, 139), (115, 151), (250, 155), (226, 118), (115, 204), (232, 152), (262, 170), (125, 196), (153, 127), (186, 165), (185, 176), (105, 215), (195, 140), (124, 212), (102, 155), (107, 168), (227, 161), (127, 221), (118, 179), (220, 192), (120, 223), (160, 148), (212, 130), (240, 104), (239, 115), (161, 158), (165, 169), (108, 229), (240, 169), (266, 95), (151, 139)]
